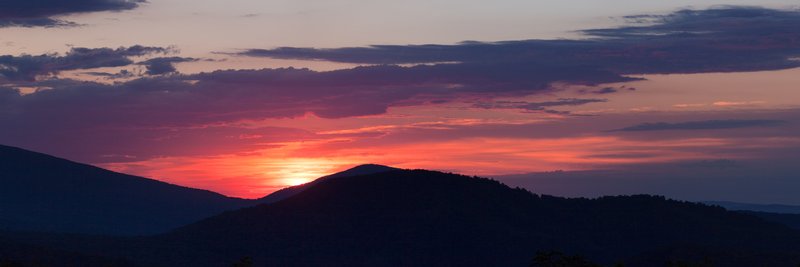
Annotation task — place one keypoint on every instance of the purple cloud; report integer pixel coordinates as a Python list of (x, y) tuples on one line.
[(39, 13), (164, 65), (86, 112)]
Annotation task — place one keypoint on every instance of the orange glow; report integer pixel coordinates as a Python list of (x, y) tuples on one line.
[(257, 174), (455, 136)]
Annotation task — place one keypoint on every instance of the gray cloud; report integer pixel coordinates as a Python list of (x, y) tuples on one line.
[(40, 13), (701, 125), (687, 41), (164, 65), (605, 90), (27, 67)]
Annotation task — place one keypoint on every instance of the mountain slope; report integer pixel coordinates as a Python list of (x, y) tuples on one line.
[(423, 218), (44, 193), (293, 190)]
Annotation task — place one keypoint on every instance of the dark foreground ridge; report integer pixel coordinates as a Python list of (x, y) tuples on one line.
[(425, 218), (380, 216), (39, 192)]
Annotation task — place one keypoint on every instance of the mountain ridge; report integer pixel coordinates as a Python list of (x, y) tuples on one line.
[(417, 217), (377, 215), (46, 193), (287, 192)]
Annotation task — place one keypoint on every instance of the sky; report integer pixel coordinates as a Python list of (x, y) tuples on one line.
[(245, 97)]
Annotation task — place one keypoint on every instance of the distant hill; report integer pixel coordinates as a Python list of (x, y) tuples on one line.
[(293, 190), (692, 180), (424, 218), (44, 193), (770, 208)]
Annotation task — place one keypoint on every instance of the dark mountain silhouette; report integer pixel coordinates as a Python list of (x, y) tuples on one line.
[(370, 215), (424, 218), (293, 190), (44, 193)]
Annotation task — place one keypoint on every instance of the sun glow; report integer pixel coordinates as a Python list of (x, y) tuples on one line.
[(302, 170)]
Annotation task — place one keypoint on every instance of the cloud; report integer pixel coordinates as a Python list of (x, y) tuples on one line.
[(41, 13), (87, 111), (539, 106), (478, 72), (122, 74), (28, 67), (735, 103), (702, 125), (722, 39), (164, 65), (605, 90)]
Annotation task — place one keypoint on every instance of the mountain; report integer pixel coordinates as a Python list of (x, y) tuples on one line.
[(769, 208), (293, 190), (44, 193), (424, 218), (368, 216)]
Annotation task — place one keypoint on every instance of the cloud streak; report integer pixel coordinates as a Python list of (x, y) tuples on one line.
[(539, 106), (701, 125)]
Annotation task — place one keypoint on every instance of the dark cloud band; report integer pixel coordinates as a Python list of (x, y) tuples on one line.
[(722, 39), (39, 13)]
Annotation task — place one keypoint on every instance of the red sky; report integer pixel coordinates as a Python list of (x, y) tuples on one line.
[(244, 114)]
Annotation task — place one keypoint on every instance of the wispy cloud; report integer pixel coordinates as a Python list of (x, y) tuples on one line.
[(539, 106), (737, 103), (701, 125)]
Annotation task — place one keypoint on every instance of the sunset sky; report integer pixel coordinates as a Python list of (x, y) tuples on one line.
[(245, 97)]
